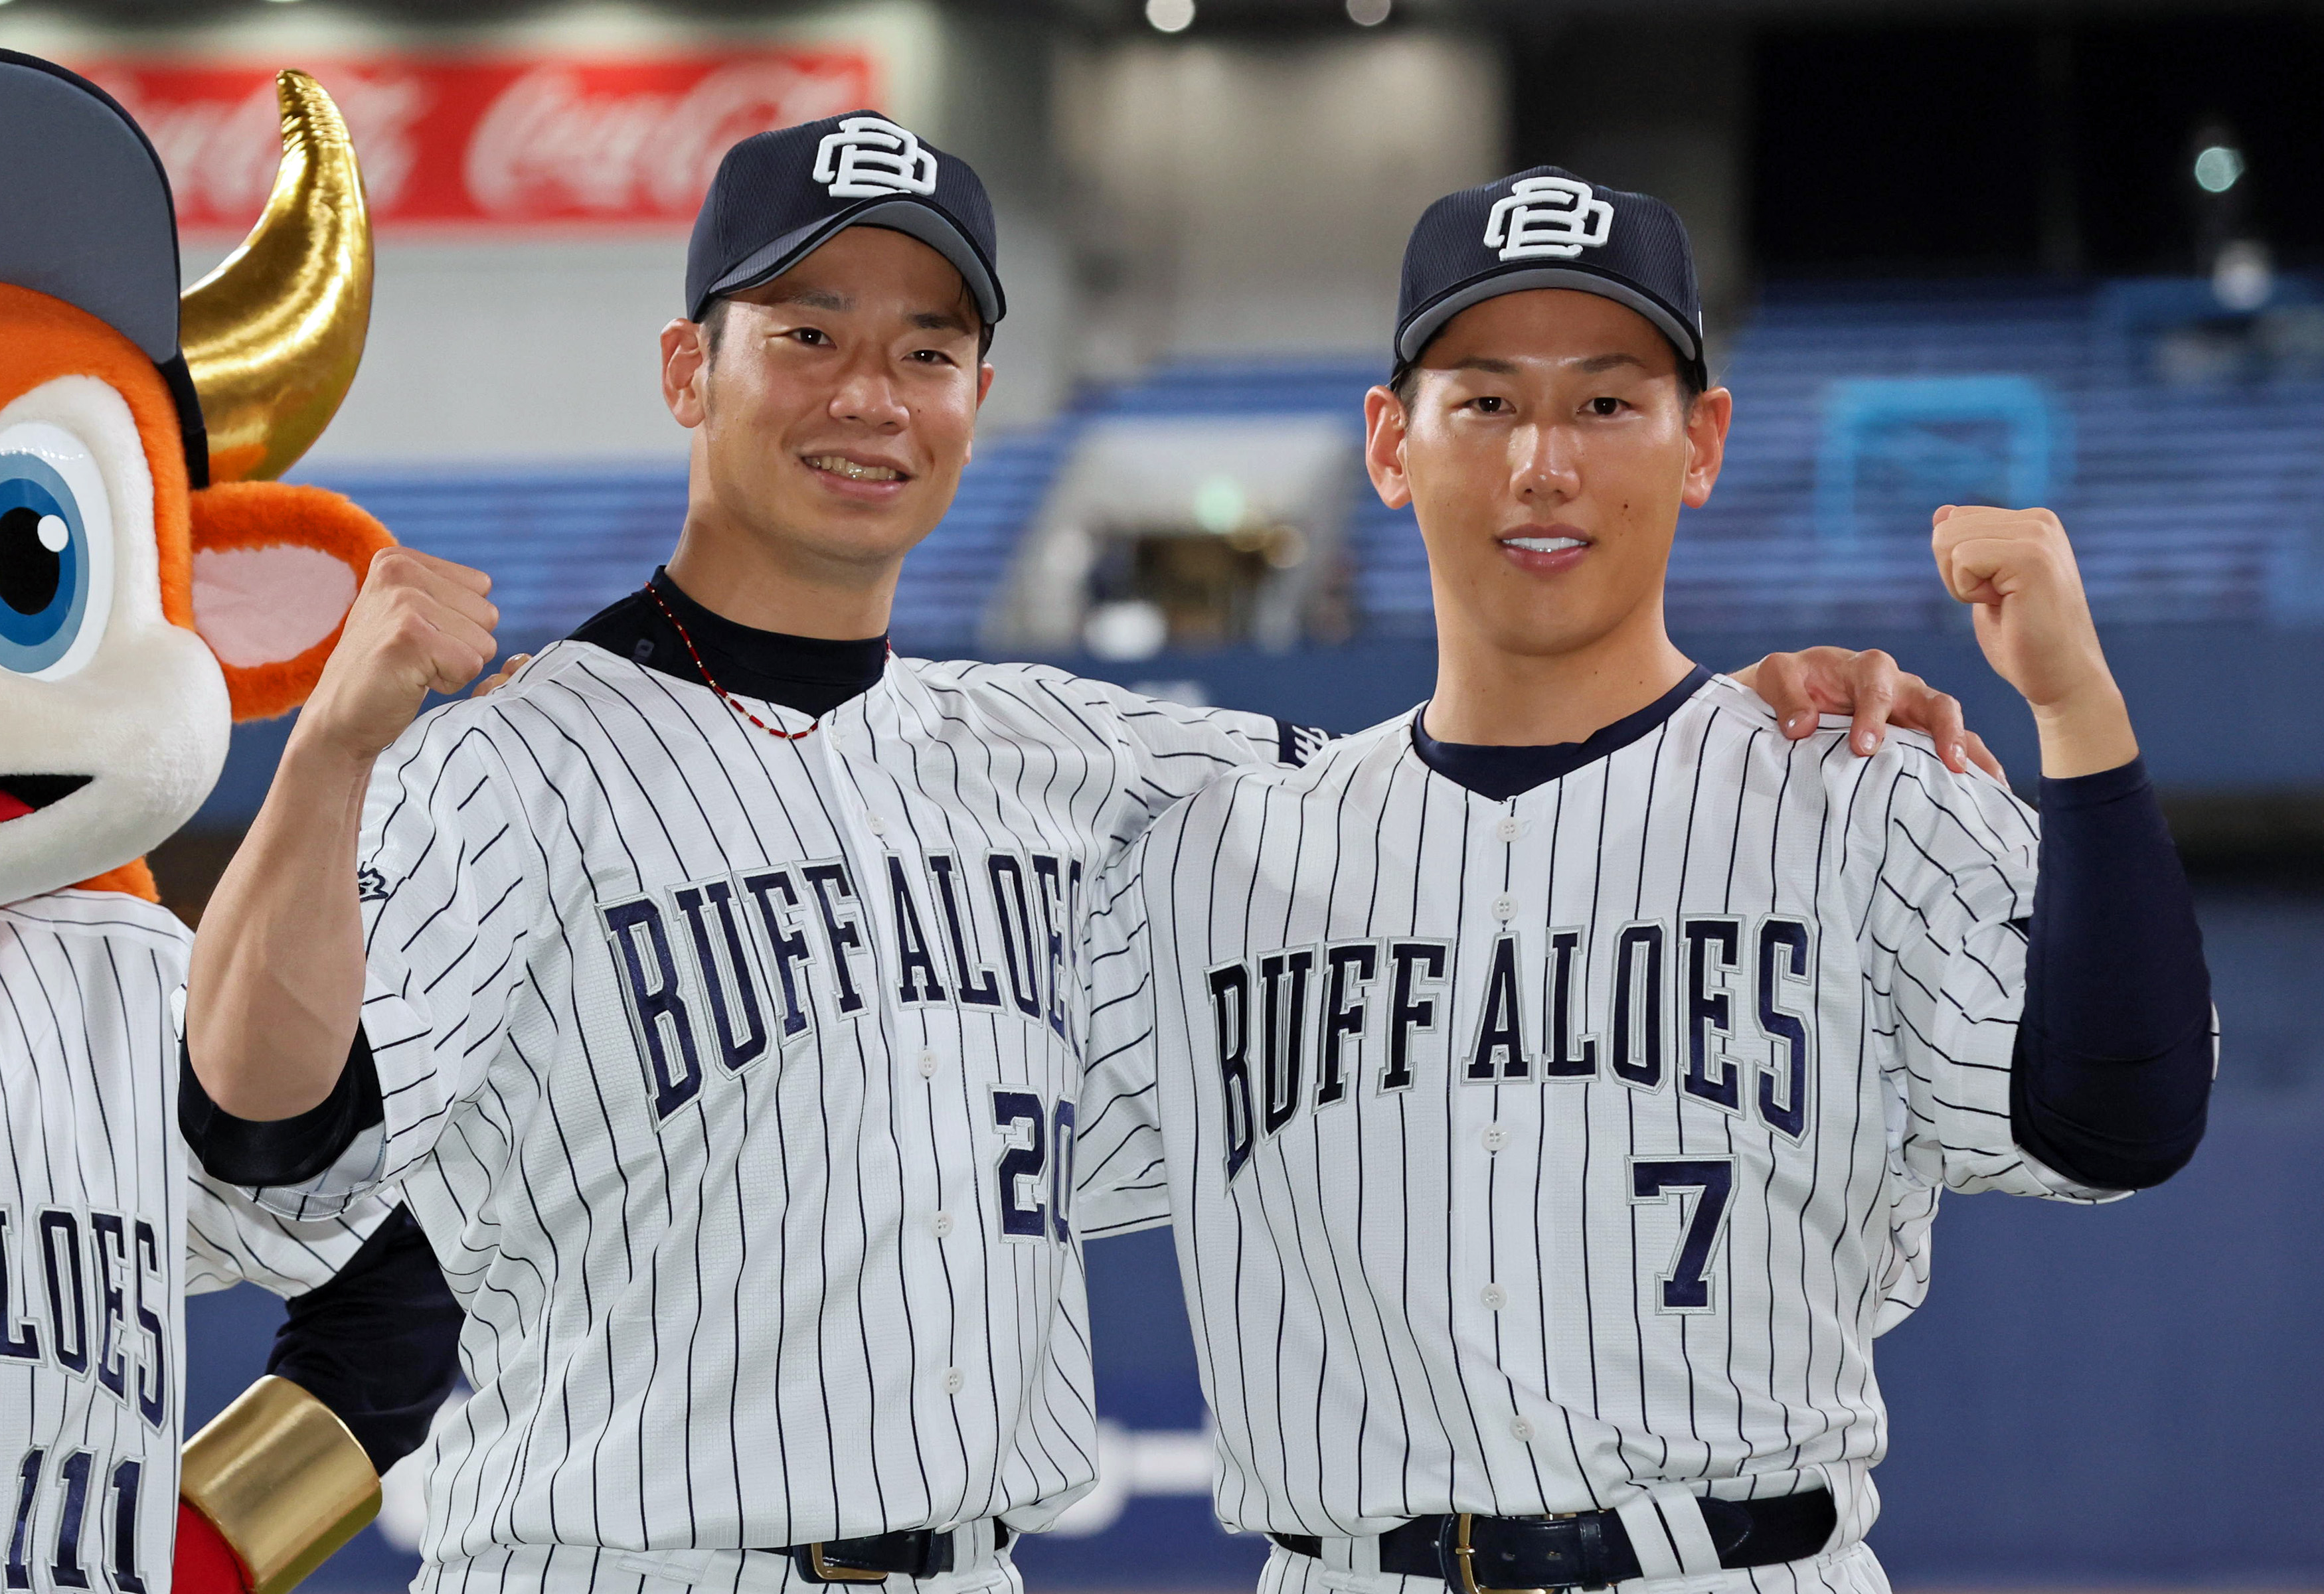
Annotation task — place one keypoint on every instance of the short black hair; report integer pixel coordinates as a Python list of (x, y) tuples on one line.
[(714, 325), (1402, 378)]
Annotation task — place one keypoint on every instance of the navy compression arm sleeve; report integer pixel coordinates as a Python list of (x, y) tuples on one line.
[(254, 1154), (2113, 1070), (379, 1344)]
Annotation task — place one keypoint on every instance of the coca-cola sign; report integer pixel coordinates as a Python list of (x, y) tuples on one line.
[(500, 142)]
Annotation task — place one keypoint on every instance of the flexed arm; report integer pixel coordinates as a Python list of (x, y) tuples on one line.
[(2111, 1078), (277, 981)]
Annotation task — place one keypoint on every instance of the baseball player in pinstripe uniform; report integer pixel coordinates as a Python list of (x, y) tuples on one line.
[(1552, 1088), (712, 987)]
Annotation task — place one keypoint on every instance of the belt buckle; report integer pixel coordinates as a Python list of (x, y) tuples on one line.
[(832, 1573), (1464, 1559)]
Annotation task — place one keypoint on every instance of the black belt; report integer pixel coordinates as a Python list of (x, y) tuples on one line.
[(913, 1553), (1588, 1550)]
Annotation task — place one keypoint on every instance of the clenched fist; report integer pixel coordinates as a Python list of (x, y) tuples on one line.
[(420, 624), (2033, 623)]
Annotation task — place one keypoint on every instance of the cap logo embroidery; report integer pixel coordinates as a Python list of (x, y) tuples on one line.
[(871, 155), (1553, 216)]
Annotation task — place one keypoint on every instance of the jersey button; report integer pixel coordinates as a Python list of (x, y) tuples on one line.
[(954, 1380), (940, 1223), (876, 825), (1505, 907), (1509, 828), (1495, 1297), (1495, 1136), (927, 1063), (1520, 1429)]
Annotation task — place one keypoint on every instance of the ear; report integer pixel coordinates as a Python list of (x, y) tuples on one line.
[(684, 353), (276, 568), (1384, 431), (1706, 445)]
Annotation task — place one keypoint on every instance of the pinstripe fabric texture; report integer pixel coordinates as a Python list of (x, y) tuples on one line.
[(571, 1569), (104, 1225), (732, 1079), (1523, 1153)]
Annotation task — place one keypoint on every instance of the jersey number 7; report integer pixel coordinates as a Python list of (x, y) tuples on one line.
[(1700, 1187)]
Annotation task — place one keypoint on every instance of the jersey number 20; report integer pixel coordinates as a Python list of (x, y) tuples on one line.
[(1038, 1156)]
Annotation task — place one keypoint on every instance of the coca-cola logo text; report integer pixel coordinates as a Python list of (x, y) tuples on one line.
[(500, 142)]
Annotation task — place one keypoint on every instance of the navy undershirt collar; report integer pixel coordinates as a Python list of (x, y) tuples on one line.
[(813, 675), (1500, 773)]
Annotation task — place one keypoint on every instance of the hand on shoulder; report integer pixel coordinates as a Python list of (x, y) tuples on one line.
[(1875, 692)]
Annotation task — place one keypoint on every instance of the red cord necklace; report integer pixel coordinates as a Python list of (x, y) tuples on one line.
[(710, 681)]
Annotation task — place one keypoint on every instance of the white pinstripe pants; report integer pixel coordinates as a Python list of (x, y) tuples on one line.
[(570, 1569)]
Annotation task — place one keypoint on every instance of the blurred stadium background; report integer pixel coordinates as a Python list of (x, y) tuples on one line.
[(2062, 252)]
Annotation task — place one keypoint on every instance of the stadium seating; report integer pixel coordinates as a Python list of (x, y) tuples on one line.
[(2188, 501), (2191, 470)]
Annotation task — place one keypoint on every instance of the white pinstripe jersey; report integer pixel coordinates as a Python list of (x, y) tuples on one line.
[(1523, 1153), (104, 1225), (734, 1080)]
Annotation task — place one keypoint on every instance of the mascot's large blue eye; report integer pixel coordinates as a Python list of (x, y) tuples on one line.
[(44, 565)]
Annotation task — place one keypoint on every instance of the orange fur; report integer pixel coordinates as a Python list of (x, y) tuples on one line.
[(42, 338), (133, 877), (45, 338), (262, 514)]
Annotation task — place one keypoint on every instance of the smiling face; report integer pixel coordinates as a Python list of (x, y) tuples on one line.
[(1547, 449), (833, 417)]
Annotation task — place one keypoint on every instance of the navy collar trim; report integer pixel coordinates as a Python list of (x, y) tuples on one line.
[(813, 675), (1500, 773)]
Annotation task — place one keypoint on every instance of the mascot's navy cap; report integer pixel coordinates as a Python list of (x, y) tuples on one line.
[(1547, 229), (86, 217), (780, 195)]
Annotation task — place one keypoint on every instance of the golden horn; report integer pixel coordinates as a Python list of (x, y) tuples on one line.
[(273, 337)]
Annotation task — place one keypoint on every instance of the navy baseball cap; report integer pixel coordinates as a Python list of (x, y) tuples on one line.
[(780, 195), (86, 217), (1547, 229)]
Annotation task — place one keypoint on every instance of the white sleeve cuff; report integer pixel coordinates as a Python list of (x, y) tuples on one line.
[(356, 1174)]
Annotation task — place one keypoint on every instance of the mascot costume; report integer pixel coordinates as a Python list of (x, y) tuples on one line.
[(155, 586)]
